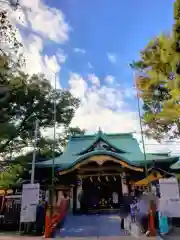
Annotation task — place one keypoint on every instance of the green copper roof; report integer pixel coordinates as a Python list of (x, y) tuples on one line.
[(127, 146), (124, 142), (175, 166)]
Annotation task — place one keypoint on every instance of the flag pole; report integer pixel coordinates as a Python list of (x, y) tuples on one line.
[(54, 147), (141, 129), (34, 151), (54, 132), (151, 224), (49, 212)]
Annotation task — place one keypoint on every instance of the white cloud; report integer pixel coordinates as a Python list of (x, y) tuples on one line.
[(61, 56), (51, 63), (106, 107), (39, 18), (79, 50), (43, 22), (112, 57), (36, 62), (78, 85), (109, 79), (94, 79), (48, 22), (130, 92), (103, 107)]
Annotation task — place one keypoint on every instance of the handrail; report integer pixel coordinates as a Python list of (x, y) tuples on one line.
[(51, 223)]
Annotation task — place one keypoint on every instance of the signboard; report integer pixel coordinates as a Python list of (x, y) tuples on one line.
[(30, 200), (169, 188), (170, 207)]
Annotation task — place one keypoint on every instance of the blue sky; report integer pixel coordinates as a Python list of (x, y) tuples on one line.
[(119, 27), (89, 44)]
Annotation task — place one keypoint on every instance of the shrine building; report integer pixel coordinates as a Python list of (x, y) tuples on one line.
[(96, 170)]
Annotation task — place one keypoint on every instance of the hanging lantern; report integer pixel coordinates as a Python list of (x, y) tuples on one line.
[(124, 181), (107, 178), (91, 179), (114, 178), (99, 179), (79, 181), (123, 175)]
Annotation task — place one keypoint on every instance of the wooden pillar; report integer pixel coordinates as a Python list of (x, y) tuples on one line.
[(60, 197), (74, 198), (124, 184), (78, 191), (71, 197)]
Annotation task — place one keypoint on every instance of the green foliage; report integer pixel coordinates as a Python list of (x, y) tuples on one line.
[(158, 82), (31, 98), (10, 176), (46, 147)]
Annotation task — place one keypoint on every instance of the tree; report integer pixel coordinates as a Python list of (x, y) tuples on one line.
[(158, 82), (10, 56), (23, 100), (47, 147), (31, 98), (10, 176)]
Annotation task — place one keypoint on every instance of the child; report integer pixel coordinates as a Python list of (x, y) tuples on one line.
[(133, 210)]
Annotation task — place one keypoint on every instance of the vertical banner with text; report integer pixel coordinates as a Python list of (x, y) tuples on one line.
[(30, 200)]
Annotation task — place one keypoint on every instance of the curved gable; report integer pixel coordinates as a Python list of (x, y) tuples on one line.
[(101, 156), (101, 142)]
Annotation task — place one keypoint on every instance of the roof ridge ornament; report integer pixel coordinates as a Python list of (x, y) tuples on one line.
[(100, 131)]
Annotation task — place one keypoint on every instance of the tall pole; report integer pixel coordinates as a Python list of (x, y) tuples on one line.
[(142, 135), (54, 133), (34, 152), (141, 129), (151, 223), (53, 153)]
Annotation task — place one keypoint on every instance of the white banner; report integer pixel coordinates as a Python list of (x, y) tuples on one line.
[(170, 207), (169, 188), (28, 213), (30, 200)]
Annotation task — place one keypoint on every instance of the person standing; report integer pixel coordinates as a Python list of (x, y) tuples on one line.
[(142, 214), (133, 207), (125, 209)]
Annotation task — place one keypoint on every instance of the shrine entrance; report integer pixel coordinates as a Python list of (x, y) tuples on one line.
[(101, 193), (102, 182)]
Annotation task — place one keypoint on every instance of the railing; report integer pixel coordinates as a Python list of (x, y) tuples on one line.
[(58, 216), (10, 212)]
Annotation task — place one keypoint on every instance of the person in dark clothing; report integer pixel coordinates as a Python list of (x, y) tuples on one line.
[(144, 223), (143, 210), (125, 208), (40, 218)]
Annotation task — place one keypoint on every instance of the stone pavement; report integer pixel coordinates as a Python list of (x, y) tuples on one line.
[(88, 238), (74, 238), (88, 226), (80, 238)]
